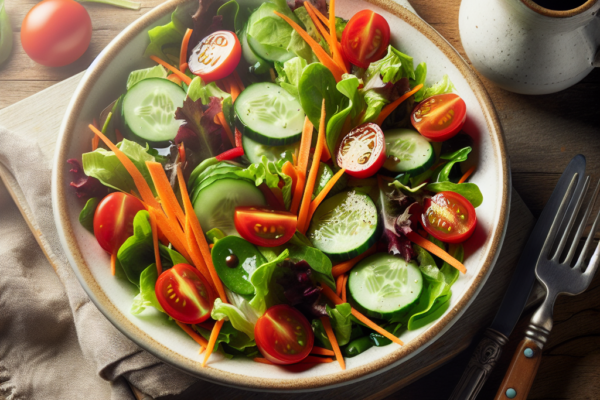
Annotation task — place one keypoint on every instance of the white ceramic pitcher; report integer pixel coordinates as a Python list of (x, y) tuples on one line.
[(525, 48)]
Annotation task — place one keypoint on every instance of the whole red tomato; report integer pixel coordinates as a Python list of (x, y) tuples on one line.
[(55, 33)]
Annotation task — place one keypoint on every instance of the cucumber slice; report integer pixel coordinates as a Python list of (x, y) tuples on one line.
[(269, 114), (259, 66), (209, 181), (148, 111), (344, 226), (254, 150), (323, 176), (407, 152), (383, 285), (214, 205)]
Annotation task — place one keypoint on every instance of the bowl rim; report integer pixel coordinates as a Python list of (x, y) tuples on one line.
[(141, 338)]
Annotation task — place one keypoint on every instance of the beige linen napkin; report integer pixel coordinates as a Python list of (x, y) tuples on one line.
[(54, 343)]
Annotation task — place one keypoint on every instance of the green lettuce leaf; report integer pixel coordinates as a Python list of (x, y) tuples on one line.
[(317, 83), (341, 322), (298, 45), (165, 40), (441, 87), (200, 90), (469, 191), (289, 74), (147, 296), (104, 165), (270, 30), (461, 155), (269, 172), (318, 261), (398, 185), (352, 106), (420, 75), (234, 315), (262, 280), (234, 16), (139, 75), (228, 336), (86, 216)]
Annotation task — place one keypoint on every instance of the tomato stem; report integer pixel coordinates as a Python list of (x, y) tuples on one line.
[(130, 5)]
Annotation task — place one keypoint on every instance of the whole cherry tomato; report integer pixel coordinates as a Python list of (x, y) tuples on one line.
[(113, 220), (56, 32), (365, 38), (283, 335), (362, 151), (216, 56), (440, 117), (265, 227), (449, 217)]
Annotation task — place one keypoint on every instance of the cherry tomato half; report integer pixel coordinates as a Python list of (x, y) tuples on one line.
[(263, 226), (365, 38), (216, 56), (56, 32), (362, 151), (449, 217), (440, 117), (184, 294), (113, 220), (283, 335)]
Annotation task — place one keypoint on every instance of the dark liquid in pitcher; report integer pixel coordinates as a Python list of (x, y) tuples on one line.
[(560, 5)]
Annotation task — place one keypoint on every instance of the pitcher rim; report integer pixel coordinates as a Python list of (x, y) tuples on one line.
[(559, 14)]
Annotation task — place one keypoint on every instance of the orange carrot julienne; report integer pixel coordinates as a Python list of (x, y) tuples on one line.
[(175, 79), (225, 125), (165, 193), (303, 156), (316, 48), (199, 234), (195, 252), (321, 351), (138, 179), (346, 266), (181, 150), (174, 70), (336, 300), (238, 81), (467, 174), (197, 338), (334, 46), (212, 340), (312, 176), (184, 48), (330, 184), (344, 288), (333, 340), (263, 361), (233, 86), (291, 171), (387, 110), (319, 14), (338, 285), (175, 236), (435, 250), (183, 67), (113, 264), (155, 241)]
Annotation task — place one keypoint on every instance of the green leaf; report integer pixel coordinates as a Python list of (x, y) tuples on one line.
[(448, 271), (299, 239), (228, 336), (261, 279), (469, 191), (232, 18), (165, 40), (317, 83), (270, 30), (318, 261), (200, 90), (269, 172), (341, 322), (6, 34), (398, 185), (86, 216), (321, 337), (234, 315), (440, 87), (126, 4), (104, 165), (353, 106), (324, 175), (289, 73), (420, 75), (147, 295), (453, 158), (214, 235), (139, 75)]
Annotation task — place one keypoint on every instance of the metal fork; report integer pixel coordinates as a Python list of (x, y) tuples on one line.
[(558, 278)]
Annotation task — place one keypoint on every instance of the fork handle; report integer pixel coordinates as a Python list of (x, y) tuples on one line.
[(524, 365)]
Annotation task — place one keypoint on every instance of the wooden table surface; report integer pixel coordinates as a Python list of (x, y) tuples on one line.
[(542, 134)]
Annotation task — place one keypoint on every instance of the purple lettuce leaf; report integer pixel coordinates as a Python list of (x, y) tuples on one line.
[(85, 186), (300, 290)]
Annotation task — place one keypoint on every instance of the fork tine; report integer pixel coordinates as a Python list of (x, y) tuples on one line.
[(571, 221), (558, 218), (586, 247), (582, 225)]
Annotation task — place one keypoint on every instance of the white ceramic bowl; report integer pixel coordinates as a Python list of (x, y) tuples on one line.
[(105, 80)]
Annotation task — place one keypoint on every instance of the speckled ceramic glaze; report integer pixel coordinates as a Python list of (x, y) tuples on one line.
[(105, 80), (528, 49)]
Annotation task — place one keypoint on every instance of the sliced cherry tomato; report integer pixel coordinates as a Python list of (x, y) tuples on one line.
[(265, 227), (113, 220), (283, 335), (216, 56), (56, 32), (440, 117), (365, 38), (184, 294), (362, 151), (449, 217)]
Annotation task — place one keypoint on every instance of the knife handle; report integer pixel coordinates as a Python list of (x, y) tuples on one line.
[(480, 366)]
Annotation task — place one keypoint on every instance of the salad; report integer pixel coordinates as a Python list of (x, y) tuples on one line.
[(282, 183)]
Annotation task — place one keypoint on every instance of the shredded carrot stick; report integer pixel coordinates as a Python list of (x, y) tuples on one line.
[(233, 86), (202, 348), (140, 183), (336, 300), (226, 84), (184, 49), (467, 174), (263, 361), (422, 233), (435, 250), (113, 264), (199, 234), (331, 40), (181, 150), (175, 236), (387, 110), (316, 48), (346, 266), (334, 46), (319, 14), (212, 340), (295, 158), (238, 80), (174, 70), (195, 252), (165, 193), (330, 184), (175, 79), (95, 142), (155, 241), (344, 284), (312, 176), (321, 351), (338, 285), (291, 171), (225, 125), (199, 339), (333, 340), (303, 156), (211, 246), (183, 67)]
